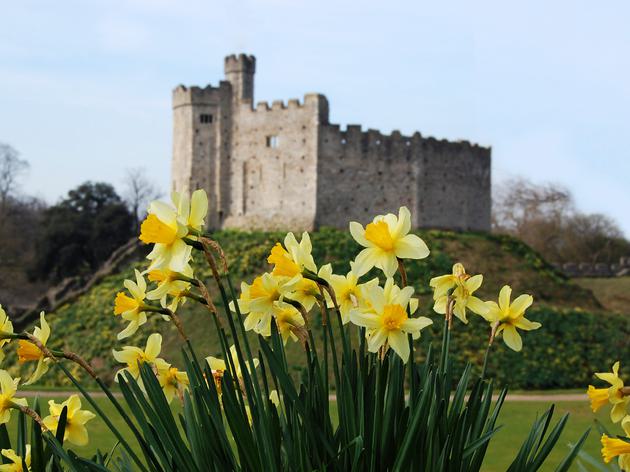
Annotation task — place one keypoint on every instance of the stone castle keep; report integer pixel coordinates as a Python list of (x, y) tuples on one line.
[(285, 166)]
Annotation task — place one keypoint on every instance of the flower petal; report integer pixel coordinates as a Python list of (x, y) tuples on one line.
[(411, 247), (511, 338)]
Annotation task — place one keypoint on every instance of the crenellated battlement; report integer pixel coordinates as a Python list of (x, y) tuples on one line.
[(353, 135), (266, 164), (194, 95)]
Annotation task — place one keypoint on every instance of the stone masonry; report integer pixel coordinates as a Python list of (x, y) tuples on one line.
[(284, 166)]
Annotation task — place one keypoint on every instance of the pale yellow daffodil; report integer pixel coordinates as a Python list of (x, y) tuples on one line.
[(16, 464), (5, 327), (134, 356), (168, 284), (289, 321), (76, 418), (293, 258), (219, 366), (615, 447), (132, 308), (8, 389), (172, 380), (463, 296), (167, 224), (613, 394), (507, 317), (27, 351), (386, 240), (443, 283), (386, 319)]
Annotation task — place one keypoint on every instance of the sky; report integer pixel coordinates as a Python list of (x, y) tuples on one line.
[(85, 86)]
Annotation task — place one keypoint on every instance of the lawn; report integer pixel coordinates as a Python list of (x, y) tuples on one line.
[(516, 419), (613, 293)]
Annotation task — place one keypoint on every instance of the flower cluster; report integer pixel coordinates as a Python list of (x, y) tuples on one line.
[(454, 293), (32, 349), (617, 395)]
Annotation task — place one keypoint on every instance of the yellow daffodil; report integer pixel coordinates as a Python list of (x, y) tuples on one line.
[(5, 327), (305, 291), (134, 356), (349, 292), (387, 321), (465, 287), (132, 309), (27, 351), (257, 300), (294, 258), (168, 284), (386, 239), (275, 398), (16, 464), (172, 380), (289, 321), (75, 431), (8, 389), (219, 366), (613, 394), (615, 447), (510, 316), (442, 284), (166, 225)]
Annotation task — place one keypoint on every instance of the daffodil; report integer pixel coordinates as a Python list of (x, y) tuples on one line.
[(6, 327), (219, 366), (349, 292), (27, 351), (510, 316), (463, 296), (134, 356), (289, 321), (172, 380), (169, 284), (166, 226), (257, 300), (8, 389), (294, 258), (613, 394), (16, 464), (76, 418), (442, 284), (387, 321), (132, 308), (305, 291), (386, 240), (615, 447)]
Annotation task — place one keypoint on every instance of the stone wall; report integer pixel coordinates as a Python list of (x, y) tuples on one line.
[(587, 269), (444, 184)]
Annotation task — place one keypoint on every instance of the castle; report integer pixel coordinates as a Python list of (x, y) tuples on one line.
[(285, 166)]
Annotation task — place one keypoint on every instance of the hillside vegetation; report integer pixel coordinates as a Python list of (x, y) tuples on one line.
[(612, 292), (89, 327)]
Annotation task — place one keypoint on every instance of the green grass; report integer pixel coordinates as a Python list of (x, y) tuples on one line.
[(613, 293), (516, 419)]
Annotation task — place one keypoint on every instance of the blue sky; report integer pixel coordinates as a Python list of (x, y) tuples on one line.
[(85, 85)]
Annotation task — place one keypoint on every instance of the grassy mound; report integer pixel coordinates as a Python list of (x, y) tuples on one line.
[(89, 327), (613, 293)]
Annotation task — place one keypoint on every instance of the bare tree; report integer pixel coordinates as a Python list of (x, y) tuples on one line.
[(11, 169), (544, 216), (139, 191)]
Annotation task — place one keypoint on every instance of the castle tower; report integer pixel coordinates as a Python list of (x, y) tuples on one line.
[(201, 133), (239, 71)]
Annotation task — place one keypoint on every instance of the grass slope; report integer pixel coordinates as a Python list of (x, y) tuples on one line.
[(613, 293), (89, 327)]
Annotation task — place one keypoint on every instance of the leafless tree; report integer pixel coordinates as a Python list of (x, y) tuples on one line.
[(139, 191), (545, 217), (11, 169)]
